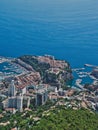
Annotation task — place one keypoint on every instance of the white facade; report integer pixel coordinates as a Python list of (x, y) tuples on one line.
[(12, 102), (12, 89), (20, 103), (23, 90), (5, 103), (41, 97), (16, 102)]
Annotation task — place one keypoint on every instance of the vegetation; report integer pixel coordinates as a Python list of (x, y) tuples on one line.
[(57, 118), (50, 78), (37, 66), (62, 119)]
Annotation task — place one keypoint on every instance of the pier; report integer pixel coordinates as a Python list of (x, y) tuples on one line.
[(91, 66)]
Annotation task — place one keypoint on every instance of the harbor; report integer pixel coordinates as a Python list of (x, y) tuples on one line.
[(81, 75), (8, 68)]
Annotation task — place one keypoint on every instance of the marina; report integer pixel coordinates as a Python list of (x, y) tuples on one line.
[(8, 68), (81, 75)]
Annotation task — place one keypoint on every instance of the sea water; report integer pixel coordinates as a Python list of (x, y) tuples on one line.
[(67, 29)]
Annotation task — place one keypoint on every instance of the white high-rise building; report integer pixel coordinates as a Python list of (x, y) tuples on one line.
[(16, 102), (41, 97), (12, 102), (20, 103), (12, 89)]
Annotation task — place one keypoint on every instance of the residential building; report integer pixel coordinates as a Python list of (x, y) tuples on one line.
[(41, 97)]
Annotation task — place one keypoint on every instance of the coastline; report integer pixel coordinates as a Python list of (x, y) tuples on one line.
[(82, 73)]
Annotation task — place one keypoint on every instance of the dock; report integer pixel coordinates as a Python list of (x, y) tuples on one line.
[(91, 66)]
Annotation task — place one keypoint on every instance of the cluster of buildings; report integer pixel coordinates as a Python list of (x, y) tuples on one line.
[(19, 98), (52, 61), (14, 100), (21, 93), (28, 88)]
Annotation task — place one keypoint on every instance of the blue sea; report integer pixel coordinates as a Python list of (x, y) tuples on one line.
[(67, 29)]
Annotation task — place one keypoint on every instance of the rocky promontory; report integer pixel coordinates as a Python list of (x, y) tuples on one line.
[(52, 71)]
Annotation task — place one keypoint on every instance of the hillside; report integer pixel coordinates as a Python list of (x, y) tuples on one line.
[(53, 119)]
